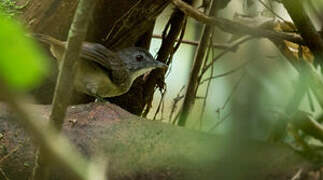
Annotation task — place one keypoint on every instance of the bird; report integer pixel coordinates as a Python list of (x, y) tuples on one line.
[(102, 73)]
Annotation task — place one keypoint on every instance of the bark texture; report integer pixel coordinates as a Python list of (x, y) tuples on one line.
[(140, 149)]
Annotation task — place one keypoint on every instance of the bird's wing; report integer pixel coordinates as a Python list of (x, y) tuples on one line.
[(101, 55), (107, 59)]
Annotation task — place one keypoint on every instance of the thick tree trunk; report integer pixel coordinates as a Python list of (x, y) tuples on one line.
[(140, 149), (116, 24)]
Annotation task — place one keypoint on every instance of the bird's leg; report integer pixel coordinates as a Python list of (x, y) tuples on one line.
[(92, 89), (99, 99)]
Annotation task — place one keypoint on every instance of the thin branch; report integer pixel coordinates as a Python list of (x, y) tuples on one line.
[(179, 41), (168, 62), (171, 32), (307, 124), (4, 174), (226, 73), (217, 124), (196, 43), (304, 25), (297, 175), (236, 27), (76, 36), (198, 60), (234, 90), (10, 153), (175, 101), (161, 101), (209, 82), (235, 45), (115, 29), (272, 11), (176, 117), (57, 146), (64, 85)]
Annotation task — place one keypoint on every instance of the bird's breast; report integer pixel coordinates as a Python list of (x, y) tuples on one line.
[(95, 81)]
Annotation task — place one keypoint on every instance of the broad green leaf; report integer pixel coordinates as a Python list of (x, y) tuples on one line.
[(22, 65)]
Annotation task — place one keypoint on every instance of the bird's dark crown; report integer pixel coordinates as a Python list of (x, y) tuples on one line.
[(139, 61)]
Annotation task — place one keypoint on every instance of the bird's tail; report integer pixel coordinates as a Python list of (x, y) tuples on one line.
[(47, 39)]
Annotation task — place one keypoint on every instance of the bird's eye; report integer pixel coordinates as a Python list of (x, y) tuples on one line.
[(139, 58)]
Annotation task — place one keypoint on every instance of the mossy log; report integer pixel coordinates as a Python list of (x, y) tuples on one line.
[(136, 148)]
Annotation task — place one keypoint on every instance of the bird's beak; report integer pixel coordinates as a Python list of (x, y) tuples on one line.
[(161, 65), (158, 64)]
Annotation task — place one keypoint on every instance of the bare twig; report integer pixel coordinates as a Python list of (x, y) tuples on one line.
[(235, 45), (76, 36), (176, 117), (175, 101), (4, 174), (54, 144), (179, 41), (308, 125), (10, 153), (64, 85), (209, 82), (196, 43), (217, 124), (193, 81), (234, 90), (272, 11), (114, 30), (170, 59), (235, 27), (171, 32), (161, 101), (297, 176), (226, 73)]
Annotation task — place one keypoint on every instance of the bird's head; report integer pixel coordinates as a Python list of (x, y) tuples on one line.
[(139, 61)]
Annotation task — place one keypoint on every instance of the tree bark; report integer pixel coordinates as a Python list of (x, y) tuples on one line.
[(140, 149)]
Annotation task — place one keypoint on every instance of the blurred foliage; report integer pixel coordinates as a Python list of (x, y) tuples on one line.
[(22, 65), (10, 7), (318, 3)]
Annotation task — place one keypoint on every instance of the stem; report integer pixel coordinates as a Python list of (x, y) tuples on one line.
[(193, 82), (175, 25), (236, 27), (304, 25), (64, 85)]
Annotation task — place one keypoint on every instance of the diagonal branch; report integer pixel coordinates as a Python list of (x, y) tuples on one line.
[(307, 124), (171, 32), (234, 46), (64, 86), (54, 144), (193, 83), (226, 73), (306, 28), (235, 27), (66, 75)]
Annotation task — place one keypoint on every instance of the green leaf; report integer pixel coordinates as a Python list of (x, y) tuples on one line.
[(22, 65)]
